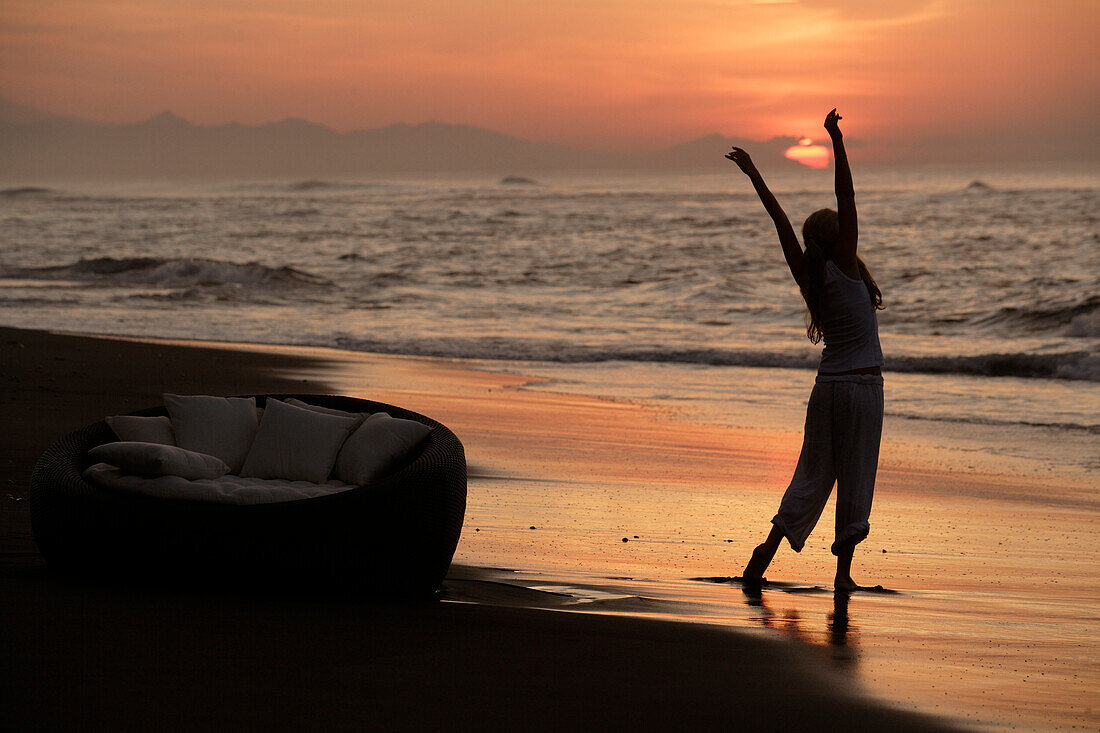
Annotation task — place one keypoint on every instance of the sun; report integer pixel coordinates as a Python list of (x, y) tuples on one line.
[(808, 154)]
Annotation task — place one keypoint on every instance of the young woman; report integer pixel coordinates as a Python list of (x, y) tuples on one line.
[(844, 414)]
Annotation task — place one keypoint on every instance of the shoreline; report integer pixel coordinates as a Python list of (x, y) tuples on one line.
[(1055, 460), (89, 655)]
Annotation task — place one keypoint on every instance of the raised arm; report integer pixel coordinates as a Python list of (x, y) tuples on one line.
[(845, 252), (792, 251)]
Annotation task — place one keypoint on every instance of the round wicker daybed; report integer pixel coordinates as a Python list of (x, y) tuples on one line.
[(394, 535)]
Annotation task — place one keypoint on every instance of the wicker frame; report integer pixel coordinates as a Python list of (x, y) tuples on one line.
[(395, 535)]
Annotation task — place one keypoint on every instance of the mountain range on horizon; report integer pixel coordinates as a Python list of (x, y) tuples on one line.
[(37, 145)]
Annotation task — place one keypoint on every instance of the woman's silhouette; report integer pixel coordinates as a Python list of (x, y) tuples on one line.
[(844, 414)]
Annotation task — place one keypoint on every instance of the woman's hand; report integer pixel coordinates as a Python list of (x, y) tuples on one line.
[(743, 161), (831, 121)]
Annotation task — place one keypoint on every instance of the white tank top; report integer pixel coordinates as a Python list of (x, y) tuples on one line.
[(849, 325)]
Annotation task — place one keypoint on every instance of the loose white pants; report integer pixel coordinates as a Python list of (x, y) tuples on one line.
[(843, 430)]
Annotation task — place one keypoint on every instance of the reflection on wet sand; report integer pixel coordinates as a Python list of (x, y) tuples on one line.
[(841, 637), (838, 623)]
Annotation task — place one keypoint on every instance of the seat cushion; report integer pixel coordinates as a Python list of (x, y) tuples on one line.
[(143, 429), (377, 447), (157, 459), (297, 444), (218, 426), (228, 489)]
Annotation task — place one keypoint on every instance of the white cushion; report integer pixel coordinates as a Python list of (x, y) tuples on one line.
[(157, 459), (296, 444), (143, 429), (379, 445), (227, 489), (219, 426)]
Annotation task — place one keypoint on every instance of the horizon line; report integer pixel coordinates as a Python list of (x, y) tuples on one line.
[(401, 123)]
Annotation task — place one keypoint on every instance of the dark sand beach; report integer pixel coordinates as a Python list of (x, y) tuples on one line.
[(86, 655)]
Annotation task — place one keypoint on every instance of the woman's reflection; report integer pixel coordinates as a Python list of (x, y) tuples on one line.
[(840, 635)]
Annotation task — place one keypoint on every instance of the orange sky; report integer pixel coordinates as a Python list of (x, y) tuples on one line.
[(622, 74)]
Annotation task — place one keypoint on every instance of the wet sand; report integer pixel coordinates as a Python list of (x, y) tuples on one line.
[(979, 630), (995, 616)]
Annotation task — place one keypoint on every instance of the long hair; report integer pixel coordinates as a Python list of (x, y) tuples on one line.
[(820, 233)]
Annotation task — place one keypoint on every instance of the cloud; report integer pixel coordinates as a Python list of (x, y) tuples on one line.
[(876, 10)]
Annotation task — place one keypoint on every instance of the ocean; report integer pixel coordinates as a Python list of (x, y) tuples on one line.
[(646, 287)]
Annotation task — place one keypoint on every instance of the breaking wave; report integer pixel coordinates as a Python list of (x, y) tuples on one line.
[(1077, 365), (318, 185), (169, 272), (24, 191), (1085, 325), (1082, 318), (976, 420)]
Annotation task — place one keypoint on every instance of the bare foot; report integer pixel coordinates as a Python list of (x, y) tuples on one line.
[(846, 585), (754, 571)]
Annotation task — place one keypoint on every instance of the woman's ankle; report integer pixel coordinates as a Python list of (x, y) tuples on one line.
[(759, 562)]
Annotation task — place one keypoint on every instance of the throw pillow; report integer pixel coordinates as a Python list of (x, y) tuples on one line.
[(323, 410), (296, 444), (379, 445), (143, 429), (157, 459), (218, 426)]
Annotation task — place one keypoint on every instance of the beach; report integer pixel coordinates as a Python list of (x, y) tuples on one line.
[(548, 619), (92, 656)]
